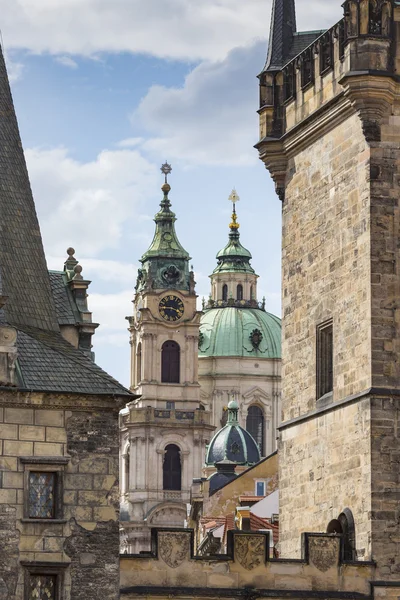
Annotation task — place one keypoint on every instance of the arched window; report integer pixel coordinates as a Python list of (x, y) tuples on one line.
[(172, 470), (139, 364), (251, 293), (225, 292), (239, 292), (344, 525), (255, 426), (170, 362)]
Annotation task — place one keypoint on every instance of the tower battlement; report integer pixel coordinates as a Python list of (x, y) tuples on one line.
[(352, 65)]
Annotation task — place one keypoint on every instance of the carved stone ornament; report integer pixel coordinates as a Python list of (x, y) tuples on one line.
[(256, 338), (171, 274), (250, 550), (324, 552), (173, 548)]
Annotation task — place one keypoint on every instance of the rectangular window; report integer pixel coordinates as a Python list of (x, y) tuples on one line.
[(43, 487), (42, 495), (260, 488), (324, 359), (170, 405), (42, 587)]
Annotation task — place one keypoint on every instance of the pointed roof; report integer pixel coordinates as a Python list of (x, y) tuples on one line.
[(234, 258), (24, 279), (46, 362), (283, 28), (165, 243)]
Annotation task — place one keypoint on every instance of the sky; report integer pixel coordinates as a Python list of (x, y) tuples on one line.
[(105, 92)]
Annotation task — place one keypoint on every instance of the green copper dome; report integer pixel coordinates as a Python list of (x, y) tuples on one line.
[(232, 443), (231, 331)]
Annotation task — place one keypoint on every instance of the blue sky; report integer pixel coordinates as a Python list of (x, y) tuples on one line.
[(104, 93)]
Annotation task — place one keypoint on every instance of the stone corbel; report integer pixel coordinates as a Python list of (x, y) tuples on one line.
[(274, 157), (372, 97)]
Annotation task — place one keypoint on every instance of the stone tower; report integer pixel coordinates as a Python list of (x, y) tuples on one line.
[(164, 433), (330, 138)]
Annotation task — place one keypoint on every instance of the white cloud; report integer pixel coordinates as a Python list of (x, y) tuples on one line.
[(85, 205), (109, 271), (132, 142), (67, 61), (111, 309), (212, 119), (178, 29), (14, 68)]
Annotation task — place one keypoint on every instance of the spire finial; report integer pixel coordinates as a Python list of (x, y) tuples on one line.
[(234, 197), (166, 170)]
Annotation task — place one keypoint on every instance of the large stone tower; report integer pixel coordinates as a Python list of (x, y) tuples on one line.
[(330, 137), (164, 433)]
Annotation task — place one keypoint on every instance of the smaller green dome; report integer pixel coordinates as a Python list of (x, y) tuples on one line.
[(234, 257), (233, 443)]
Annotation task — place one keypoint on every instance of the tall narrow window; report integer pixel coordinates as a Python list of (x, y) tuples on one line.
[(139, 364), (255, 426), (344, 525), (170, 362), (127, 468), (225, 292), (172, 470), (324, 359), (42, 495), (251, 293), (239, 292)]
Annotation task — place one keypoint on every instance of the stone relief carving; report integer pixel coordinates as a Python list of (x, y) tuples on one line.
[(324, 552), (250, 550), (173, 548)]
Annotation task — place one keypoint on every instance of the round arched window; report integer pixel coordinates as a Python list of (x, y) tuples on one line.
[(170, 362), (255, 426), (172, 469)]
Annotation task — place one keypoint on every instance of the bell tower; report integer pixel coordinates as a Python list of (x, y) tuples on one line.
[(163, 432)]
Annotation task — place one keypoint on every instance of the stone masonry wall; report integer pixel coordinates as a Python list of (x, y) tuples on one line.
[(326, 274), (86, 537), (326, 265)]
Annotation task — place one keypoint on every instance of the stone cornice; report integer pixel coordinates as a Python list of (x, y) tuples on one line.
[(54, 400)]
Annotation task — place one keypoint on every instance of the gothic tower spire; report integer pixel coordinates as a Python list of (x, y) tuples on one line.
[(24, 279), (283, 28)]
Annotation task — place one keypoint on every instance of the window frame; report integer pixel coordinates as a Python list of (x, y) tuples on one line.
[(324, 361), (45, 464), (259, 481), (55, 569)]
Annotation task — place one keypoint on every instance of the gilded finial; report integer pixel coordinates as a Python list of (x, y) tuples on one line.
[(166, 170), (234, 197)]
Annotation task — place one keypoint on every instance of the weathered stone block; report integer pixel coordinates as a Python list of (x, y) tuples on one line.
[(18, 415)]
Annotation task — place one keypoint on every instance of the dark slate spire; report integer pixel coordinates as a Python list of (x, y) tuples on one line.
[(283, 28), (23, 271)]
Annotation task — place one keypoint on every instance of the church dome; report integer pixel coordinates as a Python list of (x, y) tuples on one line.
[(232, 443), (235, 331)]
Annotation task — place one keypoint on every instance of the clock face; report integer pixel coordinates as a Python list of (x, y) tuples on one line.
[(171, 308)]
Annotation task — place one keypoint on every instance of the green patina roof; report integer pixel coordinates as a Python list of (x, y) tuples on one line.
[(234, 257), (227, 332), (165, 243), (232, 443)]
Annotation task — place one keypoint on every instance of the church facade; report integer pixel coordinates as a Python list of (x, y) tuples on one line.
[(186, 366)]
